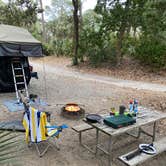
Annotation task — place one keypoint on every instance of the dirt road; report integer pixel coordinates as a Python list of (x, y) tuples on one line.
[(67, 72)]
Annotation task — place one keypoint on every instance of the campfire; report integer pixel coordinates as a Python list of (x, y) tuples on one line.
[(72, 110)]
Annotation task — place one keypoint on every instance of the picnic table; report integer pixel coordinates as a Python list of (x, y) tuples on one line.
[(145, 117)]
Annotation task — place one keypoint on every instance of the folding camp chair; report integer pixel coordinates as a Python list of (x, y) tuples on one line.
[(38, 130)]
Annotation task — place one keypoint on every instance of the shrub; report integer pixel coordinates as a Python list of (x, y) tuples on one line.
[(62, 47), (48, 49), (151, 52), (97, 46)]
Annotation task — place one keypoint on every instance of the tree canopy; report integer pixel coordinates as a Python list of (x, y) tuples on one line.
[(112, 30), (18, 12)]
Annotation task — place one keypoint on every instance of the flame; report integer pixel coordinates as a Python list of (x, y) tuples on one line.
[(72, 108)]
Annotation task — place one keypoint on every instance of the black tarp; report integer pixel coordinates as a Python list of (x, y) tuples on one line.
[(8, 49)]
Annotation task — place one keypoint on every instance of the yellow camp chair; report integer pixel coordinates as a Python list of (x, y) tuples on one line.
[(38, 130)]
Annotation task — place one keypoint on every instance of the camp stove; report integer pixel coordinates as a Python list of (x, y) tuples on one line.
[(72, 110)]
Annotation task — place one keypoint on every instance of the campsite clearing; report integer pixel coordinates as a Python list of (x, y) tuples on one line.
[(97, 97)]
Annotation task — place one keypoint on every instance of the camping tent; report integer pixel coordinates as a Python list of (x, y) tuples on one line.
[(16, 41)]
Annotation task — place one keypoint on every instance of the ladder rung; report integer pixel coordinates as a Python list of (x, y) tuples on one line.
[(19, 75), (20, 83), (16, 62), (16, 58), (18, 68)]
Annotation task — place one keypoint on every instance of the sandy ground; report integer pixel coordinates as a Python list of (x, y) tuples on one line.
[(97, 98)]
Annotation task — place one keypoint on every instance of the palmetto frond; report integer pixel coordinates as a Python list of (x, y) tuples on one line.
[(11, 145)]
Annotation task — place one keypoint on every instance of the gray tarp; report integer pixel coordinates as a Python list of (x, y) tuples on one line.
[(15, 41)]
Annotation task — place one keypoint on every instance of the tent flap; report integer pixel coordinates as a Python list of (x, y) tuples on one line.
[(7, 49)]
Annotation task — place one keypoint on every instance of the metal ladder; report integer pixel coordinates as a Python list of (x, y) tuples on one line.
[(19, 76)]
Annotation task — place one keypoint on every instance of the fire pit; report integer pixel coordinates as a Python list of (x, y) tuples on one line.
[(72, 110)]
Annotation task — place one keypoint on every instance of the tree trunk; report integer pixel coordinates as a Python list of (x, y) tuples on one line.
[(76, 31), (80, 26), (43, 22), (121, 34)]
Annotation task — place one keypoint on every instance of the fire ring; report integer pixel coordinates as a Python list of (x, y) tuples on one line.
[(72, 110)]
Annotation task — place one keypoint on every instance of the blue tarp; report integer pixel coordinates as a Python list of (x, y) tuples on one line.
[(14, 106)]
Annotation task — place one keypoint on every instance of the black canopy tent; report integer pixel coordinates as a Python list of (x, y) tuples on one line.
[(15, 42)]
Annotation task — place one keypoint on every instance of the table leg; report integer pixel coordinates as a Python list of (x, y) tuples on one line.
[(152, 135), (134, 135), (80, 138), (110, 159), (97, 140), (154, 131)]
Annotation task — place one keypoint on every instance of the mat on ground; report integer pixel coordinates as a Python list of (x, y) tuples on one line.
[(14, 106)]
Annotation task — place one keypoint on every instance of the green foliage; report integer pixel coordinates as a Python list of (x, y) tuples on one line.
[(67, 47), (104, 55), (129, 27), (59, 27), (114, 29), (19, 13), (36, 31), (58, 47), (62, 47), (151, 52), (129, 45), (95, 43), (154, 17), (119, 17), (48, 49), (1, 3), (59, 8), (151, 47)]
